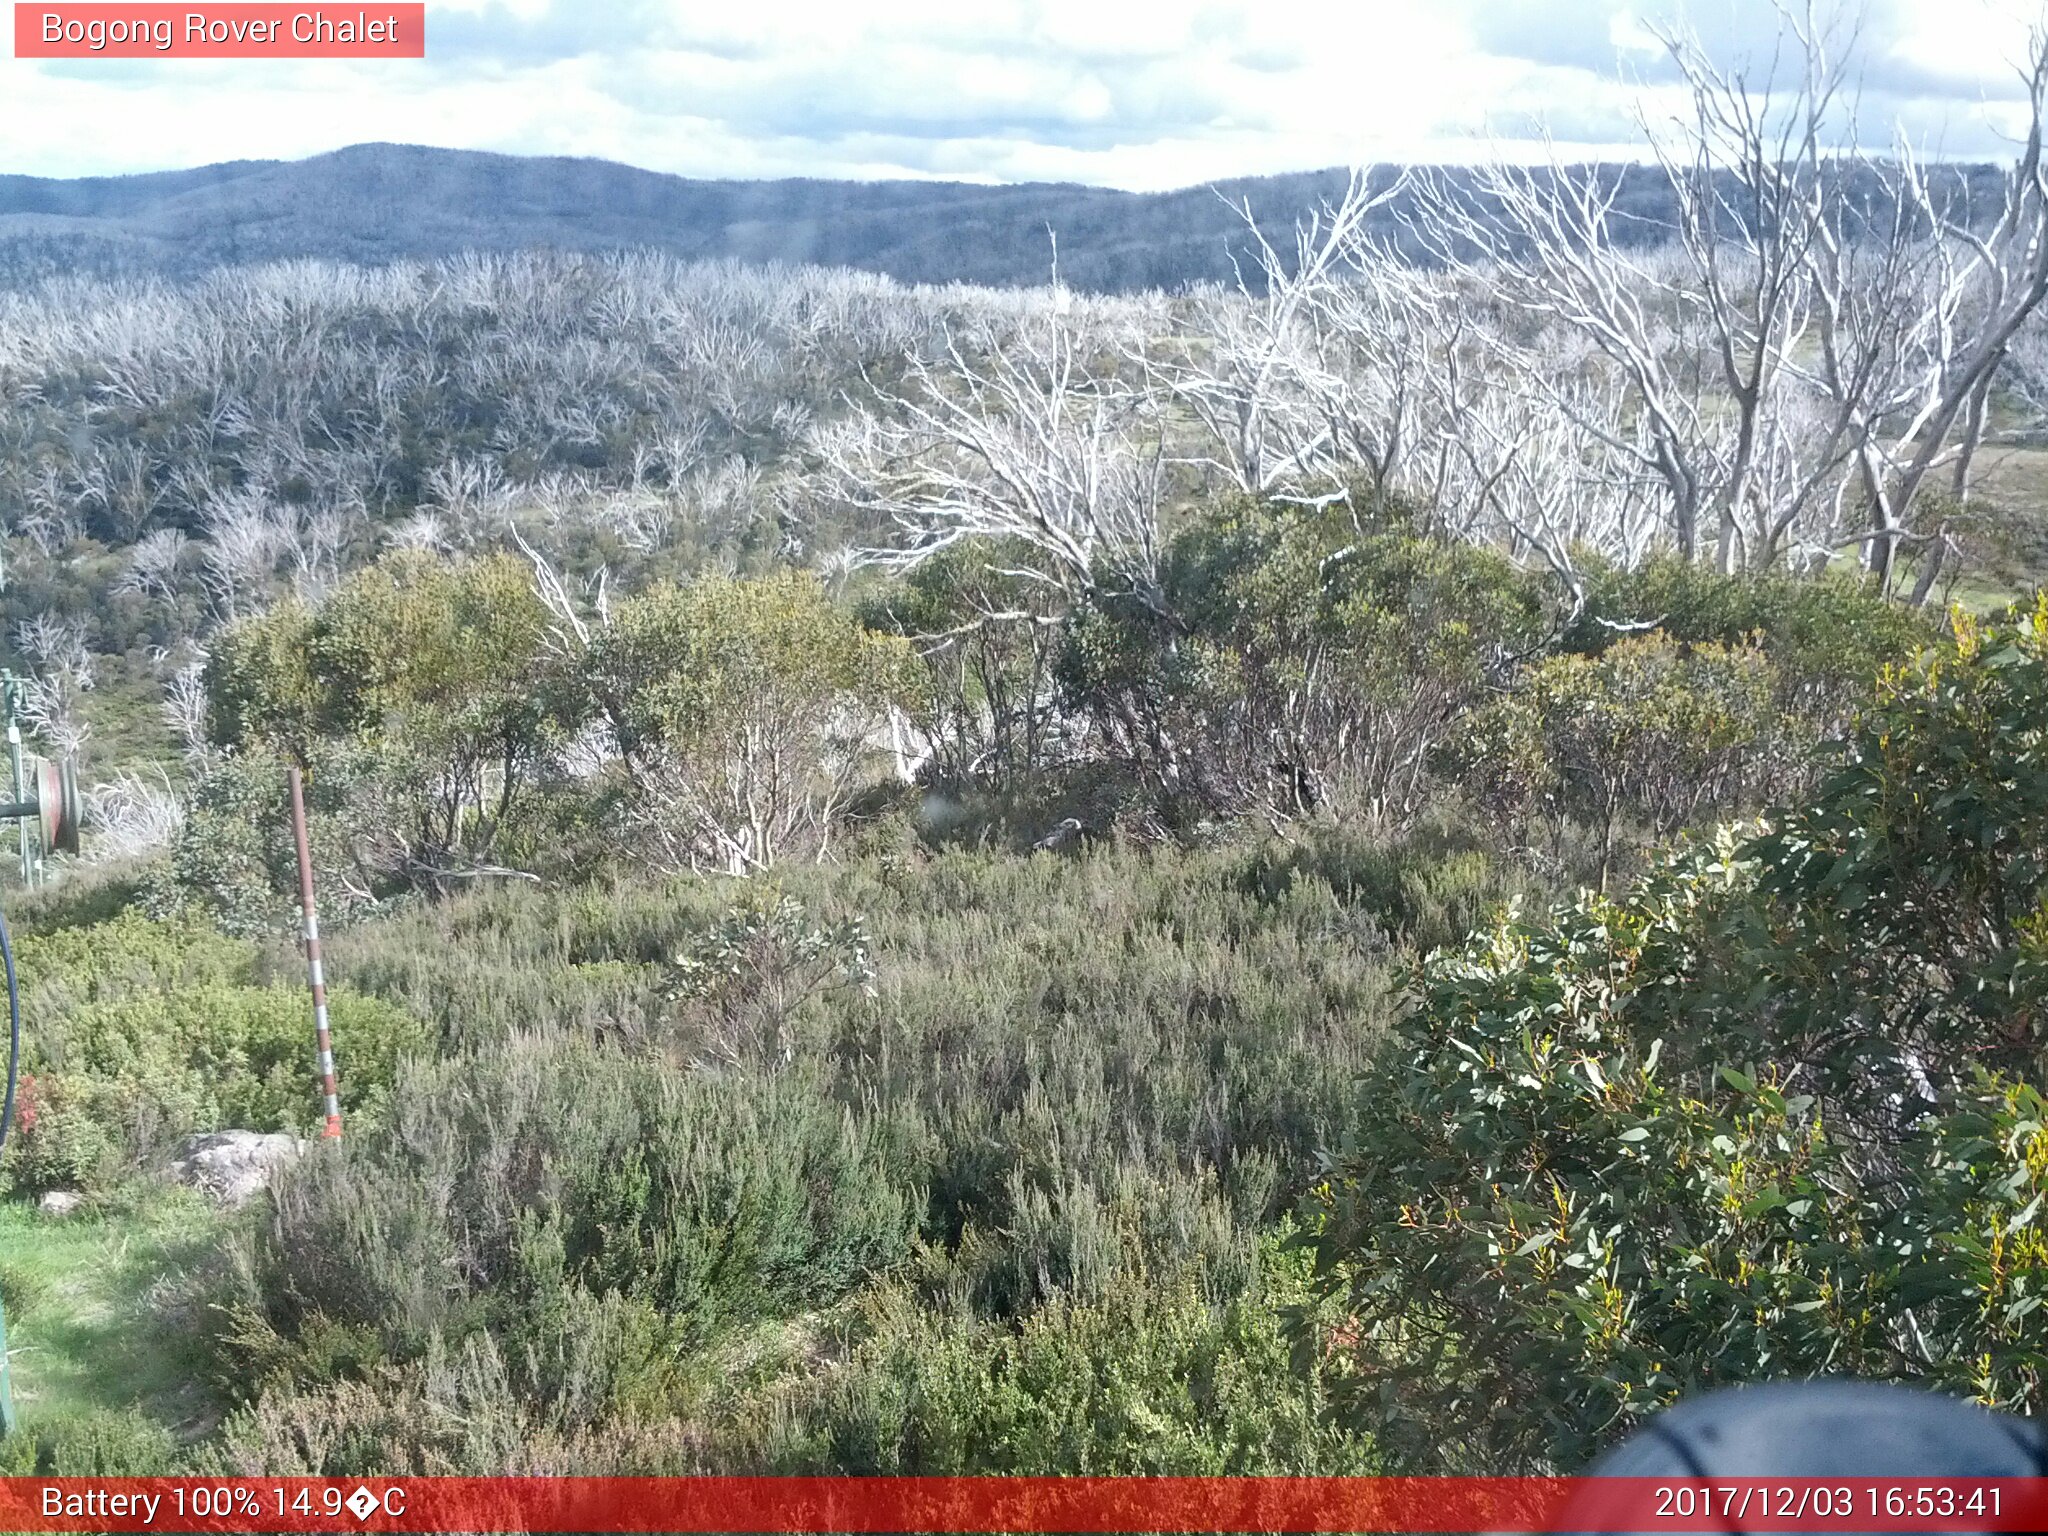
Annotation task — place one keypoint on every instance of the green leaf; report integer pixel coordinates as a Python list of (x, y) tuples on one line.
[(1741, 1082)]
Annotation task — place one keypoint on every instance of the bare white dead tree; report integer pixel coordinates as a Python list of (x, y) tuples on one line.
[(1285, 374), (423, 530), (1022, 439), (573, 619), (184, 707), (153, 564), (1547, 472), (314, 540), (1543, 239), (1384, 332), (132, 814), (1790, 358), (1360, 367), (64, 668), (1911, 311), (240, 553)]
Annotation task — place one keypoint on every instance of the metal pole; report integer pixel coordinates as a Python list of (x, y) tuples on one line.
[(313, 975)]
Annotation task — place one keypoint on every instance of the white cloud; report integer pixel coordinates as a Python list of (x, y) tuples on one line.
[(1132, 93)]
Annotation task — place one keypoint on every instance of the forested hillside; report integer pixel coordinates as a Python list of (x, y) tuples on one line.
[(1382, 868), (386, 202), (375, 203)]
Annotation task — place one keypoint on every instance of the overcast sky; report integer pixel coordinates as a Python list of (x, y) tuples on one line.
[(1130, 93)]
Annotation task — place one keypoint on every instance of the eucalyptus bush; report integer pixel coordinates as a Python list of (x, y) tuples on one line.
[(1297, 658), (430, 689), (744, 712), (1774, 1111), (1650, 730), (986, 637)]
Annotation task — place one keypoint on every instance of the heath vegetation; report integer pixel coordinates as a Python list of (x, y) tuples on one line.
[(1384, 869)]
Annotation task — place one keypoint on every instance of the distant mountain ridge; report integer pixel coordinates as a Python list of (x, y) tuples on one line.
[(380, 202), (376, 203)]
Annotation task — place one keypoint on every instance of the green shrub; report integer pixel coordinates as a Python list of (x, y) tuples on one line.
[(746, 978), (743, 712), (128, 955), (216, 1057), (1296, 658), (454, 1412), (1555, 1224), (86, 896), (985, 638), (1149, 1378), (1154, 1375), (60, 1140), (233, 863), (1737, 1124), (1650, 728), (1901, 930), (1066, 1080), (97, 1443), (428, 688), (1677, 696), (141, 1033), (553, 1170), (1420, 891), (1189, 1007), (22, 1290), (1828, 638)]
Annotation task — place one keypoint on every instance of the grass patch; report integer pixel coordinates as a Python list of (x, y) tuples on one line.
[(87, 1296)]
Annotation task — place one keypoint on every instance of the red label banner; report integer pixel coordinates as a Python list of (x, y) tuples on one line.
[(239, 31), (1023, 1504)]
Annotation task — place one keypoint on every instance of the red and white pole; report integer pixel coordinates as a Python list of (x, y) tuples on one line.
[(313, 972)]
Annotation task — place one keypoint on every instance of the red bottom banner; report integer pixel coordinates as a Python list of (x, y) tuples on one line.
[(1023, 1504)]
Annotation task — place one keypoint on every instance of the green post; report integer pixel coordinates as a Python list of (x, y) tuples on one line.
[(6, 1382), (10, 699), (7, 706)]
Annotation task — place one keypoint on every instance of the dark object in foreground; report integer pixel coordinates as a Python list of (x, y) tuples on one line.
[(1822, 1429)]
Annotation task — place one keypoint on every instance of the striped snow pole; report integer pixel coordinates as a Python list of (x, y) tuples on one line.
[(313, 972)]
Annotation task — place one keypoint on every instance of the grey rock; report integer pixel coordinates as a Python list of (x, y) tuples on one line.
[(230, 1167), (1065, 835), (60, 1202)]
